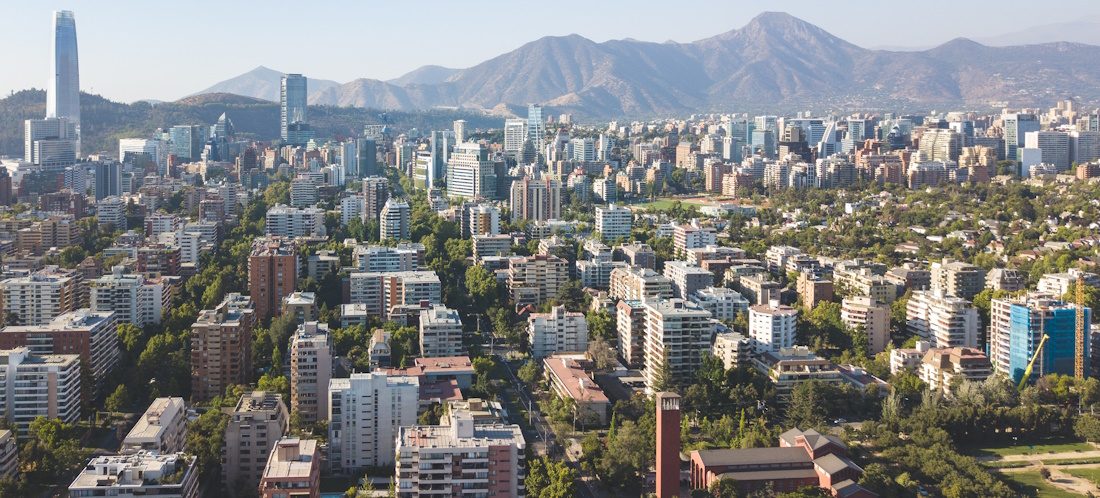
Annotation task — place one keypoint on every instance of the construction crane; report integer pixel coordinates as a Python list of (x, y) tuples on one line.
[(1079, 356), (1031, 365)]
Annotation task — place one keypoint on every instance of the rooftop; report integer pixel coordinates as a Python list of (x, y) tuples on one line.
[(154, 421), (579, 385), (292, 458)]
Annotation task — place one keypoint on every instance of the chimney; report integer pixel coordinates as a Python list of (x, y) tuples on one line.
[(668, 445)]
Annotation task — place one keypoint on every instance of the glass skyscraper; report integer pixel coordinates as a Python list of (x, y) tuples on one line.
[(536, 129), (293, 95), (63, 91)]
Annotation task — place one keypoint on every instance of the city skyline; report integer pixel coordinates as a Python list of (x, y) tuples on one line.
[(250, 43)]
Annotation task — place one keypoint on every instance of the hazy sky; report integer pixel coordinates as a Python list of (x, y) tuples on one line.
[(131, 50)]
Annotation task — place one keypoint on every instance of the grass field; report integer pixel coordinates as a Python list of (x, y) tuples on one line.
[(1071, 461), (1040, 447), (664, 204), (1005, 465), (1032, 484), (1090, 474)]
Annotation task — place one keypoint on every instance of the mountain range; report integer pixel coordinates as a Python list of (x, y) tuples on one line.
[(776, 62)]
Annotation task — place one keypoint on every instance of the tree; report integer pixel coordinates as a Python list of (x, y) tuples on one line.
[(1087, 427), (273, 382), (602, 354), (483, 289), (628, 456), (530, 372), (726, 487), (550, 479), (118, 400), (601, 324)]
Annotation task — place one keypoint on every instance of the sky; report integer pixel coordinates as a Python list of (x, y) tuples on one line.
[(132, 50)]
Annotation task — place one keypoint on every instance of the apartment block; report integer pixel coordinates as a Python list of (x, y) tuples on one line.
[(772, 327), (687, 278), (39, 297), (536, 279), (293, 469), (873, 317), (614, 222), (941, 365), (723, 304), (402, 257), (693, 235), (273, 268), (678, 332), (257, 422), (289, 222), (91, 335), (732, 348), (133, 298), (1018, 324), (366, 414), (758, 289), (171, 475), (221, 347), (638, 283), (161, 429), (460, 458), (39, 386), (958, 279), (813, 290), (630, 320), (943, 320), (310, 370), (559, 331)]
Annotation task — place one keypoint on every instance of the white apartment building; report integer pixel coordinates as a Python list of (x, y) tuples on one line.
[(723, 304), (776, 257), (289, 222), (440, 332), (351, 207), (83, 332), (366, 414), (491, 245), (945, 321), (732, 348), (162, 429), (395, 220), (39, 297), (172, 475), (639, 283), (111, 213), (693, 236), (303, 192), (310, 370), (866, 312), (677, 331), (772, 327), (687, 279), (614, 222), (483, 219), (559, 331), (402, 257), (133, 298), (33, 386), (1059, 284)]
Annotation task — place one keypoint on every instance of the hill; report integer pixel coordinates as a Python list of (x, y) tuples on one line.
[(261, 83), (104, 122), (775, 63)]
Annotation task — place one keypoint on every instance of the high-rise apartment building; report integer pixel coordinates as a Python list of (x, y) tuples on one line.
[(958, 279), (940, 145), (221, 347), (630, 320), (872, 316), (288, 222), (536, 200), (256, 424), (772, 327), (394, 220), (111, 214), (376, 191), (293, 101), (536, 279), (39, 297), (677, 332), (614, 222), (273, 268), (944, 320), (402, 257), (366, 413), (63, 90), (38, 386), (481, 219), (1017, 325), (83, 332), (293, 469), (169, 475), (558, 331), (161, 429), (460, 131), (515, 135), (440, 332), (638, 284), (687, 278), (310, 370), (133, 298)]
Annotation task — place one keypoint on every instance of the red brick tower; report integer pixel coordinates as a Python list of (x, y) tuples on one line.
[(668, 445)]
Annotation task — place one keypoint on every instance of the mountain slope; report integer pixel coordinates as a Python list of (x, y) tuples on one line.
[(261, 83), (776, 62)]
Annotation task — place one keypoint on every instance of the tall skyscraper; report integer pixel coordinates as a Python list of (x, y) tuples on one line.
[(536, 129), (1016, 128), (108, 180), (63, 91), (368, 157), (460, 131), (515, 134), (293, 97)]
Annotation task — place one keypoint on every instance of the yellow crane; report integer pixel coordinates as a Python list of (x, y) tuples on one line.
[(1031, 364), (1079, 343)]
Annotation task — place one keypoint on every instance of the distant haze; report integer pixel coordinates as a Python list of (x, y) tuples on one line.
[(131, 50)]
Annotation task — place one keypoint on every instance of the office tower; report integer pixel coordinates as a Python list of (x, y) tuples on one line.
[(161, 429), (471, 172), (50, 143), (169, 475), (394, 220), (89, 334), (772, 327), (460, 131), (1017, 325), (613, 222), (293, 96), (155, 150), (310, 371), (451, 457), (256, 424), (63, 90), (859, 130), (368, 157), (536, 130), (272, 274), (295, 464), (349, 158), (584, 149), (940, 145), (1054, 147), (677, 333), (763, 143), (37, 385), (515, 135), (221, 347), (440, 332), (535, 200), (131, 297), (1016, 127), (39, 297), (366, 413), (942, 319), (873, 317), (558, 331), (668, 445), (288, 222), (186, 142)]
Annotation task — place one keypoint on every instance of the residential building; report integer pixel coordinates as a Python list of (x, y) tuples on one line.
[(776, 257), (491, 245), (772, 327), (9, 455), (639, 283), (132, 298), (310, 370), (440, 332), (376, 191), (481, 219), (290, 222), (758, 289), (732, 348), (394, 220), (402, 257), (908, 358), (91, 335), (293, 469), (321, 263), (39, 386), (1053, 145), (1060, 284), (637, 254), (366, 413), (630, 320), (301, 305), (788, 367), (273, 268), (37, 298), (942, 365), (471, 172), (221, 347), (1017, 326), (570, 382), (958, 279), (256, 423), (677, 332), (874, 318), (559, 331), (536, 279), (1004, 279), (723, 304), (813, 289), (535, 200), (909, 277), (691, 236), (111, 213), (614, 222), (943, 320), (160, 430), (460, 458), (169, 475), (381, 292), (687, 278)]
